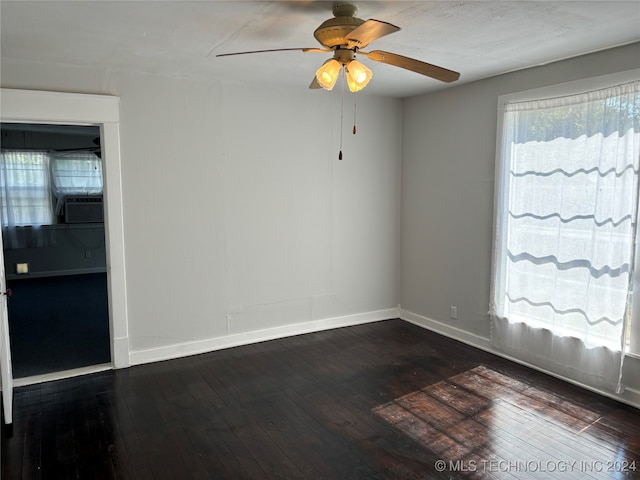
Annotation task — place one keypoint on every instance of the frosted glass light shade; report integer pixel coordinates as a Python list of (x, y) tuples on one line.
[(358, 75), (327, 74)]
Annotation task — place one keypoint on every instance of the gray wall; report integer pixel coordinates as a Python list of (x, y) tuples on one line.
[(238, 217), (449, 140)]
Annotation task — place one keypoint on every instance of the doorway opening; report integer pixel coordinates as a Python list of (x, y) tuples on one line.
[(51, 191)]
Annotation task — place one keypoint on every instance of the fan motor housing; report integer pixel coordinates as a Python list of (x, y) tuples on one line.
[(332, 32)]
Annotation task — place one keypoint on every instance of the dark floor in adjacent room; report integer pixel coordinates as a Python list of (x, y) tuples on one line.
[(382, 400), (58, 323)]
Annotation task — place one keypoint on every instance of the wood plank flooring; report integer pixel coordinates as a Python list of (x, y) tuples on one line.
[(386, 400)]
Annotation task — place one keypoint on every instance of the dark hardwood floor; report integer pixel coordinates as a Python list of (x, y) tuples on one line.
[(384, 400)]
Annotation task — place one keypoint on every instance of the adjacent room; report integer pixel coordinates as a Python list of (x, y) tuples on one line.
[(399, 241), (54, 247)]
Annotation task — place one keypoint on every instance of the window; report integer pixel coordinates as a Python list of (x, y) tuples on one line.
[(75, 173), (566, 217), (31, 181), (25, 189)]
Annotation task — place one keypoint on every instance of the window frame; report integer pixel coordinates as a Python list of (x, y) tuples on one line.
[(550, 91)]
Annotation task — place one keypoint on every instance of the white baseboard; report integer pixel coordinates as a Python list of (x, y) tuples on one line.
[(51, 377), (630, 396), (209, 345), (120, 352), (633, 395), (446, 330)]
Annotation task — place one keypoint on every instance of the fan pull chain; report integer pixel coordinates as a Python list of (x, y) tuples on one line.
[(354, 112), (341, 112)]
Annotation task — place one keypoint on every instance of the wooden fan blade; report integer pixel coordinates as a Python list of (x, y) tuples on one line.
[(273, 50), (314, 84), (417, 66), (367, 32)]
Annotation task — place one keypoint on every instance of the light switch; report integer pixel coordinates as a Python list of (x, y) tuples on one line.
[(22, 268)]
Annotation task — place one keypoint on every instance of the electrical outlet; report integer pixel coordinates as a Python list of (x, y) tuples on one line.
[(453, 312)]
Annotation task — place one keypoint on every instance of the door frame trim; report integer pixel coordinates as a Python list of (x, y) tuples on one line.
[(33, 106)]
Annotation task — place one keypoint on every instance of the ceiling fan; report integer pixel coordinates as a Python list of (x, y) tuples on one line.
[(344, 36)]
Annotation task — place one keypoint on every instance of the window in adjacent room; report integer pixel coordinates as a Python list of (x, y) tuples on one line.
[(43, 165), (25, 188)]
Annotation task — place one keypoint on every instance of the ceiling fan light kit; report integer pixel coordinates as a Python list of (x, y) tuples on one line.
[(327, 74), (358, 75)]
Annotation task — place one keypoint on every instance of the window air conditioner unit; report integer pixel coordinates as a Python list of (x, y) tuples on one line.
[(83, 209)]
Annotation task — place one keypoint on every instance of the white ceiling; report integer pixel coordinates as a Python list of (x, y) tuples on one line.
[(477, 38)]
